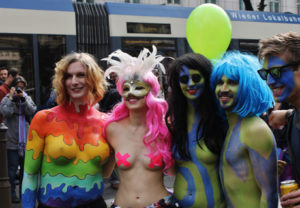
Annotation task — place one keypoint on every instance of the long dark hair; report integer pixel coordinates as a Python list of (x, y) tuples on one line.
[(214, 130)]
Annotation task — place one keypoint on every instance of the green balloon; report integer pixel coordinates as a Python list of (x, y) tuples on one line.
[(208, 31)]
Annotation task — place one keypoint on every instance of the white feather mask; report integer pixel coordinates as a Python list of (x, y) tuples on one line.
[(133, 68)]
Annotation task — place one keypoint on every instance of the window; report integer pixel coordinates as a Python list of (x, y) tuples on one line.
[(165, 47), (85, 1), (153, 28), (174, 1), (298, 6), (248, 46), (16, 51), (274, 5), (132, 1), (51, 48), (211, 1), (242, 5)]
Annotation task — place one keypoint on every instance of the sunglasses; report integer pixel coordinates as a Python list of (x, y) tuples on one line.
[(185, 78), (275, 71)]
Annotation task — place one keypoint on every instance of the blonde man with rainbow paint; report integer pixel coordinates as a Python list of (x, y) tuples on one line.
[(65, 150)]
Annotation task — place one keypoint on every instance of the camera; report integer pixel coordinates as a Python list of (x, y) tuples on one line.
[(19, 90)]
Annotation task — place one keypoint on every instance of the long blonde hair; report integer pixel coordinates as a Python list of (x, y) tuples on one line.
[(94, 78)]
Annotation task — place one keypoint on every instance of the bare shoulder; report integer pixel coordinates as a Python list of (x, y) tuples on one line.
[(111, 127), (41, 115), (255, 124), (256, 134), (114, 129)]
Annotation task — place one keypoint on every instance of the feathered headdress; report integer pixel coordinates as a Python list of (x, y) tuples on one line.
[(128, 67)]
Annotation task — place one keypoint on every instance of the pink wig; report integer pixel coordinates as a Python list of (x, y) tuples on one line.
[(157, 139)]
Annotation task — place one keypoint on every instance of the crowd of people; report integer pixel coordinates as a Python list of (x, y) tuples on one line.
[(16, 110), (219, 129)]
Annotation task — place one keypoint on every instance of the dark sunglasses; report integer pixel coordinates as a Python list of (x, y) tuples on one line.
[(185, 78), (275, 71)]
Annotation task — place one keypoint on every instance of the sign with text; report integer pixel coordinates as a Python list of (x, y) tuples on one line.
[(9, 55), (270, 17)]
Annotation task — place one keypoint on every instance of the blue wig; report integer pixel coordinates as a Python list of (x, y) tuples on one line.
[(254, 97)]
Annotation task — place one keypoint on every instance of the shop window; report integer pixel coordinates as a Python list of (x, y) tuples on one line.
[(85, 1), (174, 2), (211, 1), (132, 1), (241, 5), (16, 51), (274, 5), (51, 49)]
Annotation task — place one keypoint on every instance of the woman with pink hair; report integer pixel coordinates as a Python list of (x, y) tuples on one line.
[(137, 133)]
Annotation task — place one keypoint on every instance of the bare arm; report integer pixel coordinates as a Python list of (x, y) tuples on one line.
[(110, 164), (278, 118), (33, 161), (262, 152)]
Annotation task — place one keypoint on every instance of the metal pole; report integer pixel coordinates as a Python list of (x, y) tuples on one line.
[(5, 193)]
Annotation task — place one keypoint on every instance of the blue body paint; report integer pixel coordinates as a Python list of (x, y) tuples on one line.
[(235, 131), (286, 79), (264, 169), (266, 178), (189, 199), (28, 198), (56, 197), (191, 85), (232, 156)]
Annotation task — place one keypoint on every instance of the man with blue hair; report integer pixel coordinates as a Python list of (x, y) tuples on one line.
[(248, 167)]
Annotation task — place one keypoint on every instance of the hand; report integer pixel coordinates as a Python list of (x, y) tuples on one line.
[(292, 199), (20, 94), (280, 164), (11, 93), (277, 118)]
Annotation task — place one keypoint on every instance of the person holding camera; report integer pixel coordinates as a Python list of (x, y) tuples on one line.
[(16, 108), (13, 73)]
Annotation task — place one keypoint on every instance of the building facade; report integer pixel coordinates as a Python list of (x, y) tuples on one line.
[(35, 34), (282, 6)]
